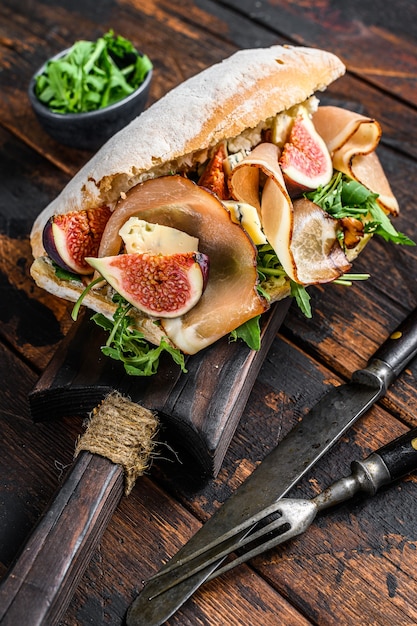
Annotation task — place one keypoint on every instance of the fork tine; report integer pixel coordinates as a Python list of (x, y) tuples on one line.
[(250, 554), (250, 538), (217, 543)]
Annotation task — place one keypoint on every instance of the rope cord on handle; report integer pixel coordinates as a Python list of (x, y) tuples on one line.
[(123, 432)]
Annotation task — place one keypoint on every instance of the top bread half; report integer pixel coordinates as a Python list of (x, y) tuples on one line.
[(217, 104)]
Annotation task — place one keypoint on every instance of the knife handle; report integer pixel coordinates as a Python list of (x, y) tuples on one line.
[(400, 455), (401, 345), (384, 466), (392, 356), (43, 579)]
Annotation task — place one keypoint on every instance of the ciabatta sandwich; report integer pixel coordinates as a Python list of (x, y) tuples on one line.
[(185, 211)]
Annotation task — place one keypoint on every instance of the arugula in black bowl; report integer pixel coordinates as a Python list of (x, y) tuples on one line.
[(92, 75)]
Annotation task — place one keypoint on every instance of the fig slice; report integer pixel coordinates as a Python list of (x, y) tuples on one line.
[(231, 297), (68, 238), (305, 160), (159, 285)]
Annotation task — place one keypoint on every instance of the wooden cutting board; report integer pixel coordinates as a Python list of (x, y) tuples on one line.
[(199, 410)]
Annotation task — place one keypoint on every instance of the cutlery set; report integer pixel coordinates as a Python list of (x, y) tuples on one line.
[(255, 516)]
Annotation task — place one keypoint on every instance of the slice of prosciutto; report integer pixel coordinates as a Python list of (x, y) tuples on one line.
[(303, 236), (351, 139), (231, 297), (272, 203)]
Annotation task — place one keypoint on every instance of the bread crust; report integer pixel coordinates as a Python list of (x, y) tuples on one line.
[(216, 104)]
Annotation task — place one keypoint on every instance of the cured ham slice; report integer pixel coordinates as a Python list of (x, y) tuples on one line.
[(302, 235), (231, 296), (351, 139), (274, 204)]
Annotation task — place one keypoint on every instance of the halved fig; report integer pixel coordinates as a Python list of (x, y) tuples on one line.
[(305, 160), (231, 296), (159, 285), (70, 237), (315, 248)]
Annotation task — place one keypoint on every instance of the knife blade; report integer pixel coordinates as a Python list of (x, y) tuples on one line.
[(280, 470), (292, 516)]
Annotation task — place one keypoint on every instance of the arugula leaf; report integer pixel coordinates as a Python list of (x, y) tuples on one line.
[(302, 297), (77, 305), (92, 75), (65, 274), (269, 267), (249, 332), (127, 344), (118, 45), (345, 197), (347, 279)]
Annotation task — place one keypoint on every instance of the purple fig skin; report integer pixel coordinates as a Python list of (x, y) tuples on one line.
[(204, 263), (50, 247)]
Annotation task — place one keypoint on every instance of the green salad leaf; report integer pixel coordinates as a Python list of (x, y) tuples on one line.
[(92, 75), (302, 298), (345, 197), (270, 270), (65, 274), (125, 343), (249, 332)]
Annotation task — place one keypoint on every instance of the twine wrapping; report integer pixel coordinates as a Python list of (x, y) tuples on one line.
[(123, 432)]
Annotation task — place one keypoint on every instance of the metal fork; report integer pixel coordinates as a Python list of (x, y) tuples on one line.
[(291, 517)]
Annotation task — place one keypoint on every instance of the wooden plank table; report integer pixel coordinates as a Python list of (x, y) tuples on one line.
[(357, 563)]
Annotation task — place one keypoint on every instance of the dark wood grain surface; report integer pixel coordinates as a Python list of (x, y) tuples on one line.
[(357, 564)]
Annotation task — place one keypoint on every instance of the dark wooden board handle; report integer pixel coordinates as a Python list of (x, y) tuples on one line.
[(41, 583), (201, 407)]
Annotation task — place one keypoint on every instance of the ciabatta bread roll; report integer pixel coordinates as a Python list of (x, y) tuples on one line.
[(195, 161)]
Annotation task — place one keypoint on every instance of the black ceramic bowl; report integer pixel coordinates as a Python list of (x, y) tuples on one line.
[(88, 131)]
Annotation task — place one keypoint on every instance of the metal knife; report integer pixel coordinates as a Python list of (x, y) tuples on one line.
[(292, 516), (281, 469)]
